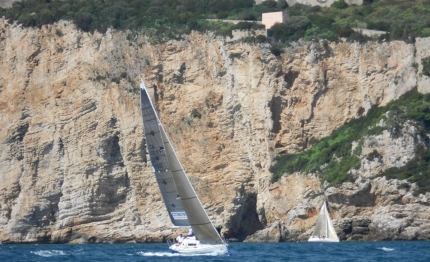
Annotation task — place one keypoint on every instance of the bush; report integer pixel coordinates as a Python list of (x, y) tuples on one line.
[(275, 50), (426, 66), (322, 21), (293, 30), (339, 4), (379, 25), (28, 20), (261, 39), (282, 4), (167, 19), (270, 3), (247, 16), (83, 20), (196, 114), (247, 26)]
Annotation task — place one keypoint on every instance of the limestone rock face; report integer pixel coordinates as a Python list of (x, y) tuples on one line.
[(74, 165), (7, 3), (371, 207)]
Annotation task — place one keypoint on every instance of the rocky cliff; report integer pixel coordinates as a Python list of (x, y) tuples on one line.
[(74, 166)]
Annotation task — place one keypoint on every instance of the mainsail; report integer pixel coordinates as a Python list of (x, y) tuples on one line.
[(181, 201), (324, 227)]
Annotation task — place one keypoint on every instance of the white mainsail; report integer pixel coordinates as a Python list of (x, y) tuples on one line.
[(182, 203), (324, 229)]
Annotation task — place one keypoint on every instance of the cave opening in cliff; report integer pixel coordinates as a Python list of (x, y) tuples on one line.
[(246, 219), (276, 110)]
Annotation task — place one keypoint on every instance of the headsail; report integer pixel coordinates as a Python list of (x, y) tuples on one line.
[(178, 193), (331, 233)]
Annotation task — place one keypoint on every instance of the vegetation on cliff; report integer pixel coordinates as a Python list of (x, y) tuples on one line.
[(163, 19), (426, 66), (332, 157), (167, 19), (399, 19)]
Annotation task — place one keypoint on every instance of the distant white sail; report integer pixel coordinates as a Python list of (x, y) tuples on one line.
[(324, 230)]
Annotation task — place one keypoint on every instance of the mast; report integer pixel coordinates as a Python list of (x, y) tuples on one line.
[(326, 219)]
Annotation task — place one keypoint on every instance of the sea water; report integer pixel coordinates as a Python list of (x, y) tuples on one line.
[(258, 252)]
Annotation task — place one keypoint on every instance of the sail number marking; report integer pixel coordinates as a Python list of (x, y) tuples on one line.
[(179, 215)]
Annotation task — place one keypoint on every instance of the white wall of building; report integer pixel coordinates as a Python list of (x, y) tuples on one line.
[(269, 19)]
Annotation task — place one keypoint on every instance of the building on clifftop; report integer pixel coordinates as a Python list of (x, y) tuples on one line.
[(269, 19)]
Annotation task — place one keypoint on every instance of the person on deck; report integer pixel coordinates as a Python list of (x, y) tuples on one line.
[(179, 239), (191, 234)]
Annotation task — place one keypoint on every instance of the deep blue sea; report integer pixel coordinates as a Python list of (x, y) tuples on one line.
[(343, 251)]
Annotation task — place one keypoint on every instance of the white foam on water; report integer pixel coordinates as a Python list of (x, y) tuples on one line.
[(49, 253), (386, 249), (169, 254)]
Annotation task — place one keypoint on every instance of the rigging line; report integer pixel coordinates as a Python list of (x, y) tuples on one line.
[(166, 178), (150, 119), (201, 224), (188, 198), (170, 192), (147, 107)]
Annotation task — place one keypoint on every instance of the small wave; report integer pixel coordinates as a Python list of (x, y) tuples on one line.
[(158, 254), (169, 254), (49, 253), (386, 249)]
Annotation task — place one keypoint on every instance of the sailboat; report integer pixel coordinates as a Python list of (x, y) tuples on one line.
[(324, 230), (180, 198)]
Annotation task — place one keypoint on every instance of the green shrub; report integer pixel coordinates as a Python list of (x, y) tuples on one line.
[(323, 21), (340, 4), (379, 25), (282, 4), (425, 32), (293, 30), (373, 155), (247, 26), (270, 3), (260, 39), (275, 50), (196, 114), (165, 20), (426, 66)]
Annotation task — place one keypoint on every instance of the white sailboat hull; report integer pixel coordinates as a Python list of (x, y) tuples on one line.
[(318, 239), (194, 247)]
